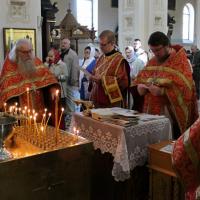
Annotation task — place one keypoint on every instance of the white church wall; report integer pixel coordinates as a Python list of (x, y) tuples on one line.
[(63, 6), (197, 27), (31, 21), (107, 18), (138, 19), (107, 15), (178, 16)]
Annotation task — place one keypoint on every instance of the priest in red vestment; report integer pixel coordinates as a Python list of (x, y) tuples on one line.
[(186, 160), (111, 75), (167, 84), (22, 71)]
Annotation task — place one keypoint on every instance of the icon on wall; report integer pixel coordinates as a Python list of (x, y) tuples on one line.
[(11, 35)]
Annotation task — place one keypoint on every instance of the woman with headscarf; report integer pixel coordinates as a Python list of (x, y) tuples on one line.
[(89, 53), (60, 70), (136, 65)]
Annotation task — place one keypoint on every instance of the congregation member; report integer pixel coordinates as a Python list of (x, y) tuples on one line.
[(70, 58), (139, 52), (22, 70), (60, 70), (167, 84), (91, 66), (186, 159), (195, 61), (88, 58), (97, 53), (110, 77), (136, 65)]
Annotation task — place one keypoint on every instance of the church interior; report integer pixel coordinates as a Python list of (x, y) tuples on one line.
[(62, 140)]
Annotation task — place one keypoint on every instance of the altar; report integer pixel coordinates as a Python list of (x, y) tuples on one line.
[(126, 147)]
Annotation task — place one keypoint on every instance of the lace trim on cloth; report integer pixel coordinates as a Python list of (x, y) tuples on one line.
[(129, 146)]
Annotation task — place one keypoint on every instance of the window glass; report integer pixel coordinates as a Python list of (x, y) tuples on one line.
[(87, 13), (188, 22)]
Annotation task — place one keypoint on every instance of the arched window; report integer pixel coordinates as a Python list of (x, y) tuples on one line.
[(188, 23), (87, 13)]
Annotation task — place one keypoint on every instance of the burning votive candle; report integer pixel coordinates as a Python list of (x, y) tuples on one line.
[(62, 110), (56, 110), (5, 105), (77, 134), (27, 93)]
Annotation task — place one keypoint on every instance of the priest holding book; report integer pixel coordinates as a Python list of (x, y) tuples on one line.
[(110, 77)]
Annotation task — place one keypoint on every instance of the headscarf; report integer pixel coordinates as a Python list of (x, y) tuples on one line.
[(132, 58), (56, 56)]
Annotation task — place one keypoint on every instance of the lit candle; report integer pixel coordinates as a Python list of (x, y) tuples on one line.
[(5, 104), (35, 123), (15, 108), (56, 111), (28, 112), (31, 117), (74, 130), (45, 112), (11, 108), (45, 127), (48, 119), (77, 133), (42, 133), (62, 110), (23, 117), (43, 119), (27, 93)]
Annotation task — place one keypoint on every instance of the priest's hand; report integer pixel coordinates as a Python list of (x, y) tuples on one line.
[(95, 79), (142, 89), (156, 90)]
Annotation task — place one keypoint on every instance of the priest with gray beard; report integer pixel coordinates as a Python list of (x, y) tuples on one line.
[(22, 72)]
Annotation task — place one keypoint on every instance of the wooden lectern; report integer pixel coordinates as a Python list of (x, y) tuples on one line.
[(164, 184)]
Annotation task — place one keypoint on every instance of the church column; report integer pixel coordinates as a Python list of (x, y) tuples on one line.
[(197, 27), (138, 19)]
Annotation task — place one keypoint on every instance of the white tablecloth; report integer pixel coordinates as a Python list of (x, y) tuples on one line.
[(129, 146)]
